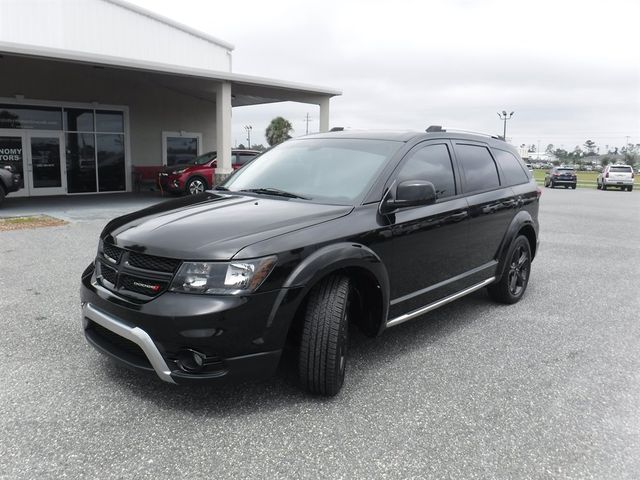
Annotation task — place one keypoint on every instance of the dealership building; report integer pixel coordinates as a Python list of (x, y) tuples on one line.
[(92, 89)]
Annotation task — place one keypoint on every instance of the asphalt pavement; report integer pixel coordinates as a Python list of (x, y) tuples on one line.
[(546, 388)]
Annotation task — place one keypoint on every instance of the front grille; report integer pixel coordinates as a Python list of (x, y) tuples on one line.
[(140, 285), (116, 340), (108, 273), (121, 271), (150, 262), (112, 252)]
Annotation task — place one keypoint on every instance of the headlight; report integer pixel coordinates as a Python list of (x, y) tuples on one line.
[(222, 278), (179, 171)]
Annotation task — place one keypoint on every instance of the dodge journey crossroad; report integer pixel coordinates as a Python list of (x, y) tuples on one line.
[(321, 234)]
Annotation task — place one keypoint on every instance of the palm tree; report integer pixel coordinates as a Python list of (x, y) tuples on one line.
[(278, 131)]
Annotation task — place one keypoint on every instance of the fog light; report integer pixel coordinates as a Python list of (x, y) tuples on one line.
[(190, 361)]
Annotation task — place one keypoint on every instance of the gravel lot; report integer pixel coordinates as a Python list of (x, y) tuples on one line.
[(548, 388)]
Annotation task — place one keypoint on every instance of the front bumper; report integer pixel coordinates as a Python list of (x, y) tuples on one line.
[(170, 183), (236, 337)]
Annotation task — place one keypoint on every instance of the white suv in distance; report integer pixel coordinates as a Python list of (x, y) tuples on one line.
[(616, 176)]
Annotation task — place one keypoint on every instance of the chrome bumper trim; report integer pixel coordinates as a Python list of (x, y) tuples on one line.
[(133, 334), (432, 306)]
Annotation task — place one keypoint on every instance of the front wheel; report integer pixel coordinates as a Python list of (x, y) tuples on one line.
[(573, 187), (515, 278), (196, 185), (325, 336)]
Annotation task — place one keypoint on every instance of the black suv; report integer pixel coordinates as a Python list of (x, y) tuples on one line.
[(9, 182), (563, 176), (321, 232)]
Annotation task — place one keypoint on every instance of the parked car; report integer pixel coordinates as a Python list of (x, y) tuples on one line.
[(9, 182), (198, 175), (621, 176), (563, 176), (323, 232)]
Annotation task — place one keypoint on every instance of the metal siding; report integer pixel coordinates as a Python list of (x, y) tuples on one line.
[(99, 27)]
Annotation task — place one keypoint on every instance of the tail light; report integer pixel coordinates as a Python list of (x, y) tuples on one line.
[(606, 175), (556, 174)]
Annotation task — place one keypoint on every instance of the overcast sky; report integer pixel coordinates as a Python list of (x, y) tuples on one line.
[(569, 69)]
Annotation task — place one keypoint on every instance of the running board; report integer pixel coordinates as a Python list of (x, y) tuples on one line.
[(432, 306)]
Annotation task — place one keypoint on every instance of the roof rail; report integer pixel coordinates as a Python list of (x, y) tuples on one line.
[(457, 130), (337, 129)]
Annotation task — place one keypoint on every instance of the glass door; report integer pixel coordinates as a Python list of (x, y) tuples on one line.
[(45, 173), (12, 156)]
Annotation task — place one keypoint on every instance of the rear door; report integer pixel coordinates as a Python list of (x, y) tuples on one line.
[(492, 205)]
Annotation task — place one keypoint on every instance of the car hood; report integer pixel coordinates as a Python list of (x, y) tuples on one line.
[(214, 226)]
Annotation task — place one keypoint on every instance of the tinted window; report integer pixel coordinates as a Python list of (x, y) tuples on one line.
[(242, 158), (181, 150), (431, 163), (39, 118), (512, 170), (620, 169), (480, 170), (81, 163), (77, 120), (111, 169), (109, 121)]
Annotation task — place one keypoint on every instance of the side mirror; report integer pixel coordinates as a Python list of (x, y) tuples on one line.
[(410, 193)]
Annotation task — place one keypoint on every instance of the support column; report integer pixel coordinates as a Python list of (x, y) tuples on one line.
[(223, 132), (324, 114)]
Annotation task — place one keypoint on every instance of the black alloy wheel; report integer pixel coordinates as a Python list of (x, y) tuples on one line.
[(515, 278)]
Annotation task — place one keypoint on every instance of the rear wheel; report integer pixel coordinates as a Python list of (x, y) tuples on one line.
[(515, 278), (630, 188), (604, 187), (573, 187), (2, 194), (325, 336)]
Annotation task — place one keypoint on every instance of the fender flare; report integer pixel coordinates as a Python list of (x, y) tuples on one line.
[(522, 219), (329, 259)]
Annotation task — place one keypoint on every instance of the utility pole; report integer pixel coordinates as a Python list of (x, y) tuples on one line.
[(504, 117), (627, 137), (307, 119), (248, 128)]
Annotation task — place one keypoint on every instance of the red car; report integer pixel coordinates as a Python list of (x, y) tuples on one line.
[(197, 176)]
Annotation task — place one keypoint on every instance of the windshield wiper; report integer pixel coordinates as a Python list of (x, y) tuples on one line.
[(220, 187), (274, 191)]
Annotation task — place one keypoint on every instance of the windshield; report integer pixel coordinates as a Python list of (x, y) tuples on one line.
[(204, 158), (327, 170)]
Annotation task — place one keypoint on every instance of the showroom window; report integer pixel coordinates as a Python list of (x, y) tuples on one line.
[(179, 148), (95, 150)]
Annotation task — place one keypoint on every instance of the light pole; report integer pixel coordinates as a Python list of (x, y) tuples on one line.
[(504, 117), (248, 128)]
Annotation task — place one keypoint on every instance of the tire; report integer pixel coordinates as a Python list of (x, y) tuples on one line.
[(566, 186), (573, 187), (604, 186), (598, 185), (546, 185), (2, 194), (515, 278), (196, 185), (630, 188), (325, 337)]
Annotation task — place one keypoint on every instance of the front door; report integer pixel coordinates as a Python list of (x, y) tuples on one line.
[(45, 170)]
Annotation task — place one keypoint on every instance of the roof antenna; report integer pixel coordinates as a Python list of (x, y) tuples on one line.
[(435, 128)]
